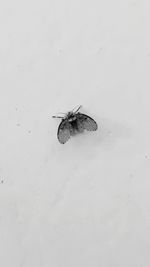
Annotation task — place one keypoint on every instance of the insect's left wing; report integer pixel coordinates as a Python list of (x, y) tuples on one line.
[(63, 133), (86, 122)]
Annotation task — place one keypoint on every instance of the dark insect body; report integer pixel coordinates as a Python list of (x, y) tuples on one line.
[(73, 123)]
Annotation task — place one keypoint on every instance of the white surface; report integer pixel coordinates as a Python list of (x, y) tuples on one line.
[(85, 203)]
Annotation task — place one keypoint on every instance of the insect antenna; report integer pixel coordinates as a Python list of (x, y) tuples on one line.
[(77, 109), (74, 111), (60, 117)]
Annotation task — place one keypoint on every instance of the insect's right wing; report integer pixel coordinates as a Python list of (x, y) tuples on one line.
[(86, 122), (63, 133)]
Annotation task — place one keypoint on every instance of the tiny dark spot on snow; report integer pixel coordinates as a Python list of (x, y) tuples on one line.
[(18, 124), (2, 181), (29, 131), (99, 50), (60, 51)]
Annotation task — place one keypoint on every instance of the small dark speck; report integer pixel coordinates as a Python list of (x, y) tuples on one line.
[(60, 51), (29, 131), (146, 156), (99, 50), (129, 196), (18, 124), (2, 181)]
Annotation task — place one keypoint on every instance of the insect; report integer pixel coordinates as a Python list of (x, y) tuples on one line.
[(72, 123)]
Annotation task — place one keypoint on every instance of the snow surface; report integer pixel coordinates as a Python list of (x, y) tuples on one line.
[(85, 203)]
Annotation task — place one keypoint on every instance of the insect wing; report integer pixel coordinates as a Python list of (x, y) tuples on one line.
[(63, 133), (86, 122)]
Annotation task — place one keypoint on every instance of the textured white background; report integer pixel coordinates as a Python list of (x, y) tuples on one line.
[(86, 203)]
